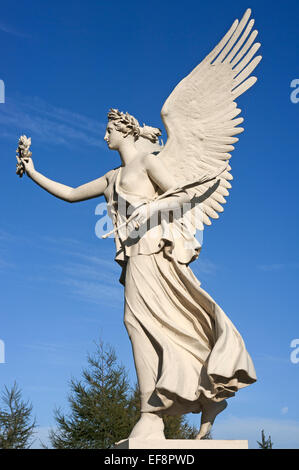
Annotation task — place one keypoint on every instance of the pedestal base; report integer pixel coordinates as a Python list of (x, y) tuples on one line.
[(181, 444)]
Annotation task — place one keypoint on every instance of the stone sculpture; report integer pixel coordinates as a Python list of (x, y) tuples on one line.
[(189, 357)]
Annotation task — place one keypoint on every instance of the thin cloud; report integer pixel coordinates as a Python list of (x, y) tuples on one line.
[(205, 266), (97, 261), (9, 30), (49, 124), (42, 346), (271, 267), (277, 266), (87, 277), (5, 265), (61, 241), (93, 279), (269, 358), (75, 248), (7, 236), (86, 271), (55, 353), (95, 292)]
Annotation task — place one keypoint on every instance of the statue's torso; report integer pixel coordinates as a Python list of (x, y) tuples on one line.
[(135, 179), (181, 243)]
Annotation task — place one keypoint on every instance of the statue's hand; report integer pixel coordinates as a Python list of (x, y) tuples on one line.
[(140, 216), (26, 163), (23, 155)]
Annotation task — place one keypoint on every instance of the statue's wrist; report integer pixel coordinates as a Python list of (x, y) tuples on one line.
[(30, 173)]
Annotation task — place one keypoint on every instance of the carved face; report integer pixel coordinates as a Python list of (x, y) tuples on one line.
[(113, 137)]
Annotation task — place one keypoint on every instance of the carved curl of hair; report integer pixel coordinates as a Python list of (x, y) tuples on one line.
[(128, 125)]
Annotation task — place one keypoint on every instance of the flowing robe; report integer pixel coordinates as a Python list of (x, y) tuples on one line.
[(184, 345)]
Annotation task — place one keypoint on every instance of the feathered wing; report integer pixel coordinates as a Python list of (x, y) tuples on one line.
[(200, 117)]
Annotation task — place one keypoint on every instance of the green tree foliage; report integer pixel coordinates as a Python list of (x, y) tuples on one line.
[(100, 412), (16, 423), (266, 443), (104, 409), (176, 427)]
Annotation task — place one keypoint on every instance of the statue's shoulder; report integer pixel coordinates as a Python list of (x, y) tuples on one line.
[(110, 178), (145, 157), (110, 175)]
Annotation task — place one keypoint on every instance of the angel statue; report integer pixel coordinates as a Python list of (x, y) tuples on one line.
[(189, 357)]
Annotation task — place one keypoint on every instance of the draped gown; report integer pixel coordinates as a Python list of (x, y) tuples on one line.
[(184, 345)]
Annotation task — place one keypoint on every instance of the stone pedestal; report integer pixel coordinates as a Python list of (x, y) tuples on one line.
[(181, 444)]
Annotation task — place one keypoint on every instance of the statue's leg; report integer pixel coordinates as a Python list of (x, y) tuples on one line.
[(210, 410), (149, 426), (147, 357)]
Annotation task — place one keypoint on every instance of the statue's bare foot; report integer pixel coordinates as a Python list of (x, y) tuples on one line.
[(149, 426), (210, 410)]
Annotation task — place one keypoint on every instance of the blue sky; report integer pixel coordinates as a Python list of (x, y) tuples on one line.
[(64, 64)]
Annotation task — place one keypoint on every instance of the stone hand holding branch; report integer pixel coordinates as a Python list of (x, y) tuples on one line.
[(23, 155)]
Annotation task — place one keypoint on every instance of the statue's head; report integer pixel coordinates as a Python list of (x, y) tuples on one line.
[(124, 126)]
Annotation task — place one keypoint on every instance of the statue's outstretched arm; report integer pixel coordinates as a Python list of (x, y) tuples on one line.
[(89, 190)]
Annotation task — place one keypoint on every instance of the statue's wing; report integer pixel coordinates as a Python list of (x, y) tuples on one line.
[(200, 116)]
